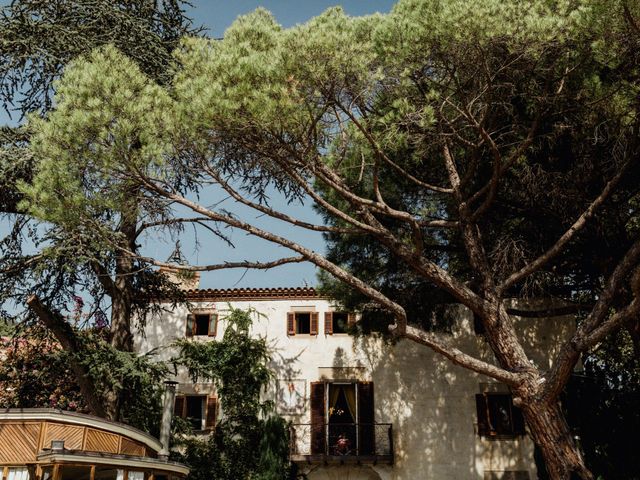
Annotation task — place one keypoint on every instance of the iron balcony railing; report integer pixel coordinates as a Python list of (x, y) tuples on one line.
[(361, 442)]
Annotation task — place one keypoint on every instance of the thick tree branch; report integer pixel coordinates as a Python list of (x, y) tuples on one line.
[(223, 266), (22, 264), (460, 358), (310, 255), (103, 276)]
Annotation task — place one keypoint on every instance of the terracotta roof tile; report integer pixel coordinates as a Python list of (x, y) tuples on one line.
[(215, 294)]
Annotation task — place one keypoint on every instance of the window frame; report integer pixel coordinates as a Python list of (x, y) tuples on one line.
[(212, 329), (292, 323), (329, 327), (209, 419)]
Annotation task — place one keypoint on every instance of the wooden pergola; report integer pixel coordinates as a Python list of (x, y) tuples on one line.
[(47, 444)]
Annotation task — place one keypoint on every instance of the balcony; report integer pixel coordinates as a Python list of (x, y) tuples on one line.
[(341, 443)]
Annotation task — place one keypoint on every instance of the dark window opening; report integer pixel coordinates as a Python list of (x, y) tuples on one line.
[(108, 473), (497, 416), (195, 411), (340, 323), (478, 326), (202, 324), (303, 323), (75, 472), (342, 418)]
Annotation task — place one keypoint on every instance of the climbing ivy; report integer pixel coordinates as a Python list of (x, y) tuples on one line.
[(250, 441)]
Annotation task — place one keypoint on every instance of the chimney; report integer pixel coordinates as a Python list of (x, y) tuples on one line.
[(185, 279), (167, 413)]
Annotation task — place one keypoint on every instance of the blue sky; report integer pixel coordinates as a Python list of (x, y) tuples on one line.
[(216, 16)]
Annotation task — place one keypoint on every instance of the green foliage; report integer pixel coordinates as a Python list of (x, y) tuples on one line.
[(35, 373), (73, 181), (6, 328), (250, 441), (40, 37), (364, 107), (135, 380)]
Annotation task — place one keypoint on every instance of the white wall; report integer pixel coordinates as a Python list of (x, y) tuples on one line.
[(429, 401)]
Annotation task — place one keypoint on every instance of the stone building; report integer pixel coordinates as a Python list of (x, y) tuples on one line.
[(361, 408)]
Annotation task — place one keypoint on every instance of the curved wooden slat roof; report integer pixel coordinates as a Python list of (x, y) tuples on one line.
[(74, 418)]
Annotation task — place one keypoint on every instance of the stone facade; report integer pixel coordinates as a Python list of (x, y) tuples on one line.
[(430, 402)]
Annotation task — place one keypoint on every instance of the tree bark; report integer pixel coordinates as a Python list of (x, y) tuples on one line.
[(122, 297), (551, 433)]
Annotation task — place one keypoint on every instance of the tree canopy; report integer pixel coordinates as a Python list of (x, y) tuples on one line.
[(487, 150), (48, 259)]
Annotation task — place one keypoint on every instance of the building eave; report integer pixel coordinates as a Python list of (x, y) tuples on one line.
[(253, 294), (124, 461)]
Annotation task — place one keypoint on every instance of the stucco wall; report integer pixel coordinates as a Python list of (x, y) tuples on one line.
[(429, 401)]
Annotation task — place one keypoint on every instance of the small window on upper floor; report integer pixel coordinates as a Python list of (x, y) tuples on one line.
[(202, 324), (338, 322), (302, 323)]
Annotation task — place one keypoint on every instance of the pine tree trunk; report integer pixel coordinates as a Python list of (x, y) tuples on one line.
[(123, 295), (552, 435), (545, 419)]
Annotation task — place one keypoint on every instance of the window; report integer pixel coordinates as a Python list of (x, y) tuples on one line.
[(342, 411), (497, 416), (199, 410), (338, 322), (302, 323), (17, 473), (202, 324)]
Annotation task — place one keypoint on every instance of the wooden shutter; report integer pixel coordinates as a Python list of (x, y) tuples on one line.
[(291, 323), (317, 418), (191, 324), (178, 406), (213, 324), (212, 411), (366, 427), (328, 323), (351, 319), (482, 411), (314, 323)]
